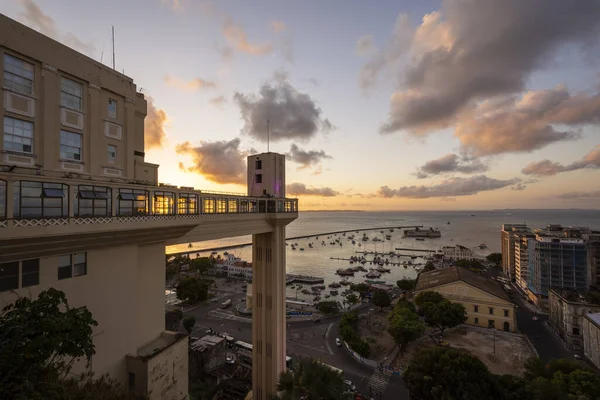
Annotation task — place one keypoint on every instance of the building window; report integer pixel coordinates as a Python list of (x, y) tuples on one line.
[(164, 203), (40, 200), (71, 94), (244, 208), (506, 313), (18, 75), (30, 272), (232, 206), (575, 331), (258, 164), (506, 327), (9, 276), (18, 135), (112, 154), (476, 320), (132, 202), (131, 381), (208, 206), (475, 308), (2, 199), (187, 203), (491, 323), (112, 108), (253, 206), (221, 206), (491, 310), (70, 146), (258, 178), (72, 265), (93, 201)]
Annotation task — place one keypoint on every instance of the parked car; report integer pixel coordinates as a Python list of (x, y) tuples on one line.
[(338, 342), (317, 320), (350, 385)]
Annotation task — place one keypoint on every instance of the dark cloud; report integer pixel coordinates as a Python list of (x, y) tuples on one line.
[(154, 126), (471, 51), (452, 187), (580, 195), (450, 163), (300, 189), (291, 114), (220, 161), (364, 45), (306, 158), (548, 168), (35, 18)]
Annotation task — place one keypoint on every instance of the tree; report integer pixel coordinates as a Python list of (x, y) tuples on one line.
[(312, 379), (473, 265), (406, 284), (349, 333), (403, 304), (40, 339), (328, 307), (201, 264), (352, 299), (381, 299), (429, 266), (496, 258), (192, 290), (405, 327), (361, 288), (428, 297), (445, 314), (447, 373), (189, 323)]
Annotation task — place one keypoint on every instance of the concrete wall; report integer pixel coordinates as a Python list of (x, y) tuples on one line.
[(124, 291), (168, 373), (591, 341)]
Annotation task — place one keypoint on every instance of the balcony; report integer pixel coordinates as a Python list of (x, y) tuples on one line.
[(43, 217)]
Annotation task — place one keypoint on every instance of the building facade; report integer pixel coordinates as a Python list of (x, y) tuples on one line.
[(457, 252), (592, 239), (487, 304), (507, 237), (521, 251), (566, 314), (83, 212), (234, 267), (591, 338)]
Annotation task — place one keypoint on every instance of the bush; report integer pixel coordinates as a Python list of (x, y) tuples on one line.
[(348, 332)]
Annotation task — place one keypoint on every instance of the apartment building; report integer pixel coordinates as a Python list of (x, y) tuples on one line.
[(83, 212), (507, 237), (457, 252), (521, 252), (566, 316)]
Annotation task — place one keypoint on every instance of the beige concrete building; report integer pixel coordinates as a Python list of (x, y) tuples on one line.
[(83, 212), (521, 254), (566, 315), (507, 237), (457, 252), (486, 302), (591, 338)]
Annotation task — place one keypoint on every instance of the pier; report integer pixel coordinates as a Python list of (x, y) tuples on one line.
[(310, 280), (408, 249)]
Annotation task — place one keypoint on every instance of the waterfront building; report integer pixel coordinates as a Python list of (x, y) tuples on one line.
[(83, 212), (234, 267), (507, 237), (521, 254), (566, 311), (591, 338), (557, 259), (457, 252), (486, 302)]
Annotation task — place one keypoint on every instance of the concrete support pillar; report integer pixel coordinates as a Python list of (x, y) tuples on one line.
[(268, 311)]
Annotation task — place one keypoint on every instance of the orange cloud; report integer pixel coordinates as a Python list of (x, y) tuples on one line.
[(237, 38), (154, 126), (193, 85)]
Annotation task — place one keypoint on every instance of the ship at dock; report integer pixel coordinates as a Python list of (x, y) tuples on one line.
[(423, 233)]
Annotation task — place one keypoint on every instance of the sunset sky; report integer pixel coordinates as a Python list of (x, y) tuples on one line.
[(380, 105)]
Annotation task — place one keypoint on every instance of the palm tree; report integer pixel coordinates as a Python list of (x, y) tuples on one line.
[(312, 380)]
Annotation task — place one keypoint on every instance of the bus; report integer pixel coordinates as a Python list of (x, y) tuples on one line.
[(239, 345)]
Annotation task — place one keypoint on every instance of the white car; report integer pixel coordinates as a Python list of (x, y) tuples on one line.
[(338, 342), (350, 385)]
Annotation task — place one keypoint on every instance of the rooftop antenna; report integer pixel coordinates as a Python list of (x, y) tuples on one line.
[(113, 45), (268, 138), (102, 55)]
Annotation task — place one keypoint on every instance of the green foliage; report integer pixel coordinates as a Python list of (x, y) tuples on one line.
[(428, 297), (381, 299), (201, 264), (404, 304), (192, 290), (496, 258), (312, 380), (447, 373), (444, 314), (473, 265), (328, 307), (406, 284), (405, 327), (429, 266), (188, 324), (352, 299), (349, 333), (361, 288)]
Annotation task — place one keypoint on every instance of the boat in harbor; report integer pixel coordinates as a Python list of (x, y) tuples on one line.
[(374, 282), (334, 292), (345, 282), (381, 269), (373, 274), (420, 239), (482, 246), (423, 233), (345, 272), (334, 285)]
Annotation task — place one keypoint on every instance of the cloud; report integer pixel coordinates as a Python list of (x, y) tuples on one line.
[(154, 126), (238, 39), (548, 168), (220, 161), (364, 45), (450, 163), (300, 189), (35, 18), (292, 115), (193, 85), (451, 187), (471, 51), (307, 158), (579, 195), (278, 26), (218, 101)]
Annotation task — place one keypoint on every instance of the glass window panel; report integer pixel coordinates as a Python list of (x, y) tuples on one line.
[(9, 276), (86, 194), (53, 193), (126, 196), (18, 135), (79, 258), (64, 272), (3, 199), (30, 272), (18, 74)]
